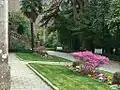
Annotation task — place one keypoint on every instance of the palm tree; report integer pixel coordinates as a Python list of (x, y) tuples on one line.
[(31, 9)]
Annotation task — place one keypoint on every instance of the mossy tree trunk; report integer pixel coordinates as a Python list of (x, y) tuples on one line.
[(4, 67)]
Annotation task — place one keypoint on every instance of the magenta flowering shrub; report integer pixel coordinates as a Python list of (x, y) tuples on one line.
[(89, 60)]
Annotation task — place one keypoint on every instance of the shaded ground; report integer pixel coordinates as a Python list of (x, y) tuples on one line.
[(112, 66), (22, 78)]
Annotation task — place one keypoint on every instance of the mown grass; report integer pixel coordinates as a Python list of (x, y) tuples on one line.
[(106, 73), (36, 57), (66, 79)]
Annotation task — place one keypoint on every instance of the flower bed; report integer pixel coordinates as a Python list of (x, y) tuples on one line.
[(88, 61), (86, 64)]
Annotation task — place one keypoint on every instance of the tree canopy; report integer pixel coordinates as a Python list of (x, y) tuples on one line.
[(80, 24)]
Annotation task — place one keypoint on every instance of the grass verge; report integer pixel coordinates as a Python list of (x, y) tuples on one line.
[(35, 57), (66, 79)]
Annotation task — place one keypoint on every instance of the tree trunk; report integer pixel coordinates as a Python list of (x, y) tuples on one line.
[(32, 36), (44, 34), (74, 10), (4, 67)]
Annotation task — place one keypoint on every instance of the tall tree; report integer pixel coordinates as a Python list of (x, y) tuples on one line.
[(113, 22), (4, 68), (31, 8), (74, 7), (64, 13), (89, 21), (91, 25)]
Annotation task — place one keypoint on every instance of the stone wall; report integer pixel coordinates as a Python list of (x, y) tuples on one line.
[(4, 67)]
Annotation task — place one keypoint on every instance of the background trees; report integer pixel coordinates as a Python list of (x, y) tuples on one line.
[(79, 24), (19, 34), (31, 9), (18, 22), (82, 23), (113, 23)]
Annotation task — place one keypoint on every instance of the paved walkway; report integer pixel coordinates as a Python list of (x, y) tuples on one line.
[(112, 66), (62, 54), (22, 78)]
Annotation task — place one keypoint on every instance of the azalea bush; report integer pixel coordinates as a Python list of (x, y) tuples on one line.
[(88, 61)]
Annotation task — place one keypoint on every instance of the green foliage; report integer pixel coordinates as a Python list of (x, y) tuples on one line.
[(31, 8), (16, 45), (85, 28), (114, 22), (36, 57), (91, 23), (18, 31), (64, 26), (66, 79), (18, 22), (52, 40), (113, 57)]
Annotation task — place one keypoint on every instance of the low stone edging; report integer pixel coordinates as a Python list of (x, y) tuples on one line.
[(19, 57), (43, 78)]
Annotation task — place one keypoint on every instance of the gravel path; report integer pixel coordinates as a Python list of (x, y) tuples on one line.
[(112, 66), (22, 78)]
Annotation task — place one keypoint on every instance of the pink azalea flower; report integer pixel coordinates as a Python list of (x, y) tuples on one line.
[(91, 60)]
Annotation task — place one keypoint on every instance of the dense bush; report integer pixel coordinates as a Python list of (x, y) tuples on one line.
[(113, 56), (16, 45), (52, 40), (19, 34), (89, 61), (116, 78), (18, 22)]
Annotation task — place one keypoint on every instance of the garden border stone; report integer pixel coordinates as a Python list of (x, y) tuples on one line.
[(43, 78), (19, 57)]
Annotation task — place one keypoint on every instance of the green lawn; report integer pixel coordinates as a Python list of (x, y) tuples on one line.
[(105, 72), (66, 79), (35, 57)]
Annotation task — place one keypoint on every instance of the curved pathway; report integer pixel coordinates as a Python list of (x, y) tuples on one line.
[(22, 78), (112, 66)]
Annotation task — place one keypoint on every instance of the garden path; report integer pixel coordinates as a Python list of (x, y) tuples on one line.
[(112, 66), (22, 78)]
